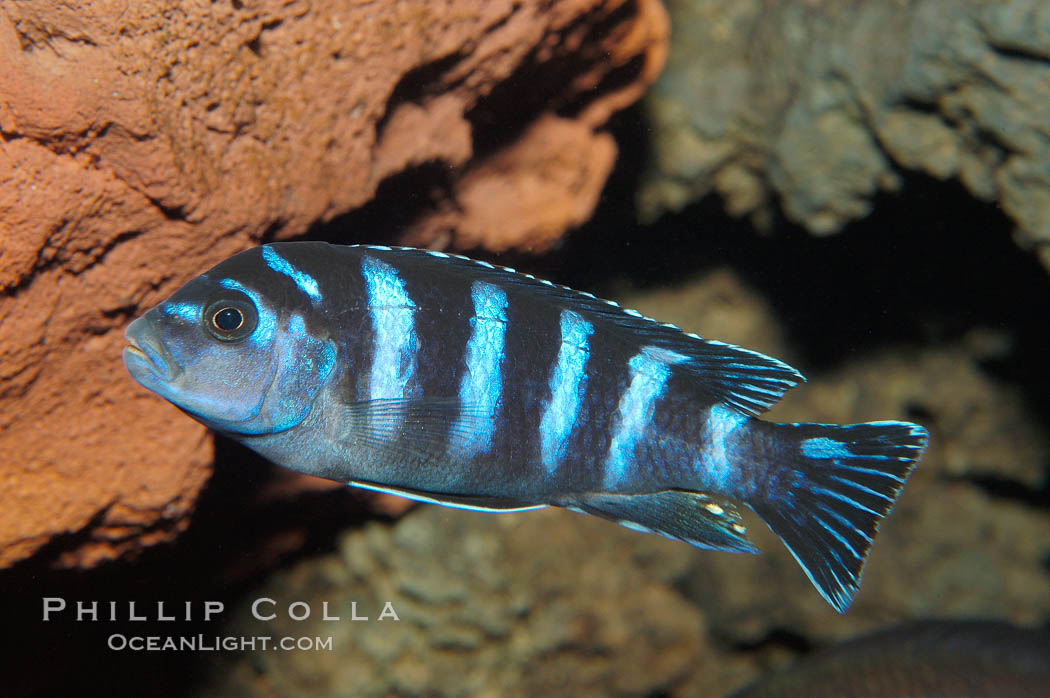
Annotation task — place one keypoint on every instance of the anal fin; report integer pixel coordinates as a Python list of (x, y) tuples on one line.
[(694, 517)]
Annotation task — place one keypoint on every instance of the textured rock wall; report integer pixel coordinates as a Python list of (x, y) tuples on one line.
[(142, 142), (815, 107), (548, 603)]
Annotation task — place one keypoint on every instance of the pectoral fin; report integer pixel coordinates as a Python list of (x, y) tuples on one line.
[(413, 433), (407, 430)]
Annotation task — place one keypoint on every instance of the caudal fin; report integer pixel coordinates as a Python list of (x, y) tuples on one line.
[(827, 500)]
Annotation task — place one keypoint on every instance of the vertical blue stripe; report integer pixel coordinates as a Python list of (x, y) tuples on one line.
[(717, 456), (394, 335), (568, 382), (649, 371), (482, 384), (279, 264)]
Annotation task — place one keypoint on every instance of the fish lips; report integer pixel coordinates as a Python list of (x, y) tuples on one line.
[(145, 356)]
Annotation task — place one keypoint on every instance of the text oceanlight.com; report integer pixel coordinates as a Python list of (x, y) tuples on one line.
[(215, 643)]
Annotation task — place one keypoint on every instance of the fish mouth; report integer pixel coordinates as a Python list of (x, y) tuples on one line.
[(143, 350)]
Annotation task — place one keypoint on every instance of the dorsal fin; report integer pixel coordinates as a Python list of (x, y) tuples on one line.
[(745, 380)]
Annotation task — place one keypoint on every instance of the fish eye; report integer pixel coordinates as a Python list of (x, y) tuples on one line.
[(230, 319)]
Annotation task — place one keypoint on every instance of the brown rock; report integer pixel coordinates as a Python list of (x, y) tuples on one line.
[(142, 142), (526, 195)]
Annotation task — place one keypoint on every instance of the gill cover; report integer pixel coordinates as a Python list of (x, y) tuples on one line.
[(303, 364)]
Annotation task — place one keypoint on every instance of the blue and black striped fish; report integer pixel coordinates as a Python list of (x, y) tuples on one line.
[(453, 381)]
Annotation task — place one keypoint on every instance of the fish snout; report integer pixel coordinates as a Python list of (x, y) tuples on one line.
[(145, 351)]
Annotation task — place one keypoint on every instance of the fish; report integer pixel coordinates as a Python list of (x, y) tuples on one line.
[(454, 381), (972, 658)]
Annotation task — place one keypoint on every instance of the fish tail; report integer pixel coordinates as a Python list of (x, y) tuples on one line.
[(826, 499)]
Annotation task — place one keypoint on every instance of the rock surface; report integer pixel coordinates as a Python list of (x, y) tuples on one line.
[(544, 603), (140, 143), (811, 106)]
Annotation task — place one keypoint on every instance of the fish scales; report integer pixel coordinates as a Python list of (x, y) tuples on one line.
[(442, 326), (453, 381)]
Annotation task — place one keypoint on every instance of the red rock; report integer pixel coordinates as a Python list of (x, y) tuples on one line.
[(527, 194), (142, 142)]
